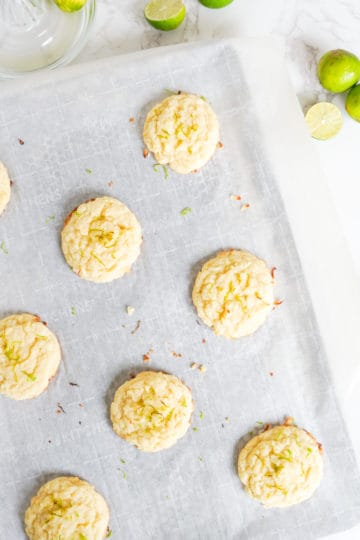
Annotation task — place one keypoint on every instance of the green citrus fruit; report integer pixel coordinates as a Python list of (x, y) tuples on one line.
[(353, 103), (165, 14), (324, 120), (338, 70), (70, 5), (215, 4)]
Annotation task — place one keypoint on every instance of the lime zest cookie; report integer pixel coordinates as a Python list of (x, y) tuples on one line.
[(282, 466), (29, 356), (182, 131), (5, 187), (67, 508), (152, 411), (234, 293), (101, 239)]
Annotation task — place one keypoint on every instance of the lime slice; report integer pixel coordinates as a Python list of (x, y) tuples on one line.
[(215, 4), (353, 103), (70, 5), (324, 120), (165, 14)]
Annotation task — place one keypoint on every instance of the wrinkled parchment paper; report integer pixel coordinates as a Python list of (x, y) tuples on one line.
[(78, 119)]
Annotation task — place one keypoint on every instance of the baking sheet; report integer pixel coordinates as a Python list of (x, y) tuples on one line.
[(79, 119)]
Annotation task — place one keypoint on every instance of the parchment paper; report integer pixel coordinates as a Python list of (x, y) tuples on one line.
[(78, 119)]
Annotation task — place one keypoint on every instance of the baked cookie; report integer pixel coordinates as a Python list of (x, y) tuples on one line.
[(29, 356), (67, 508), (4, 187), (152, 411), (282, 466), (182, 131), (234, 293), (101, 239)]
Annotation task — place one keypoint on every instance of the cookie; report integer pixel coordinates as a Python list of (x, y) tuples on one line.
[(282, 466), (4, 187), (152, 411), (234, 293), (67, 508), (29, 356), (101, 239), (182, 131)]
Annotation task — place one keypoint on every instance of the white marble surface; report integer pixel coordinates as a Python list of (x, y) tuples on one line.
[(309, 28)]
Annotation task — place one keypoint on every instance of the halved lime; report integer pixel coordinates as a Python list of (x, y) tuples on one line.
[(70, 5), (215, 4), (324, 120), (338, 70), (165, 14)]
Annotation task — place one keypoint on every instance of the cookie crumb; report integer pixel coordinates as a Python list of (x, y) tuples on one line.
[(194, 365), (145, 153), (131, 119), (146, 356), (271, 373), (21, 142), (202, 368), (220, 144), (234, 197), (244, 207), (138, 324), (273, 270), (60, 409), (277, 303), (111, 183)]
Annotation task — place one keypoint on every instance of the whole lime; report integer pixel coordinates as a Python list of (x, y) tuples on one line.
[(338, 70), (215, 4), (352, 103), (70, 5)]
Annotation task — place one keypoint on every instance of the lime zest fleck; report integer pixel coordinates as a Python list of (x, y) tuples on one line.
[(109, 534), (73, 310), (203, 98), (97, 259), (82, 536), (164, 168), (122, 460), (309, 450), (195, 429), (4, 248), (200, 458), (185, 211), (29, 376), (259, 423), (201, 415), (171, 92), (40, 336), (124, 475), (89, 171), (49, 218)]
